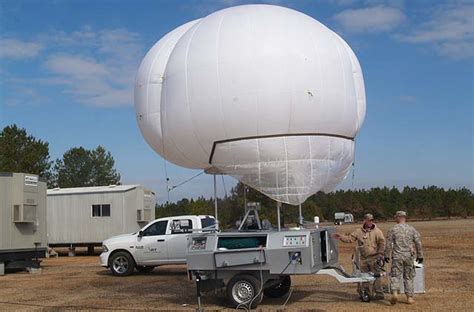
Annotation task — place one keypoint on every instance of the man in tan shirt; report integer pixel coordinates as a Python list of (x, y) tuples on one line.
[(371, 247)]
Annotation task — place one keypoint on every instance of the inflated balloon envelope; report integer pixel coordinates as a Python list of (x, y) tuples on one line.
[(263, 93)]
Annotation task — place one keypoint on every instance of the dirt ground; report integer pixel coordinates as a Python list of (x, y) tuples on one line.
[(79, 283)]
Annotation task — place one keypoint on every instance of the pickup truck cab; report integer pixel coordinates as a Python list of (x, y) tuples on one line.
[(160, 242)]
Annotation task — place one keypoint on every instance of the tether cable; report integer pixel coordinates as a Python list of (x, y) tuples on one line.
[(186, 181)]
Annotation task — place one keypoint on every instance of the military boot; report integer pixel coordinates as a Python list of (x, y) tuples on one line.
[(379, 295), (394, 298), (410, 300)]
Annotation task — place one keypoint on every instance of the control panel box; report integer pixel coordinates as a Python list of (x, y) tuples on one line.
[(294, 240)]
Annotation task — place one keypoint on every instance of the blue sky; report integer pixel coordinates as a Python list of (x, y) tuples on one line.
[(67, 70)]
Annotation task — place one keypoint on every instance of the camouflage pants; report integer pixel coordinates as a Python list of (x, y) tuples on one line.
[(369, 264), (402, 269)]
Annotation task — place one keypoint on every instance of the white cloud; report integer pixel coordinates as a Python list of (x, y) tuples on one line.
[(78, 67), (94, 67), (342, 2), (371, 19), (390, 3), (17, 49), (456, 49), (112, 97), (205, 7), (450, 30), (21, 92)]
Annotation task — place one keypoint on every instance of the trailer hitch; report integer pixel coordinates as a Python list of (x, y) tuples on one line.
[(344, 277)]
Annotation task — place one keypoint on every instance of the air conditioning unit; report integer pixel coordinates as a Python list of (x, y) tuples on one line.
[(147, 214), (24, 213), (143, 215)]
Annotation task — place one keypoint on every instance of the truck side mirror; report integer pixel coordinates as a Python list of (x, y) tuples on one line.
[(140, 233)]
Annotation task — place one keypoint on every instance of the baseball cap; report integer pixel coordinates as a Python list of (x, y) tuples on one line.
[(400, 213), (369, 216)]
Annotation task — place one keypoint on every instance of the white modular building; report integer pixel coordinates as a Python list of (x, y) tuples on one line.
[(85, 216), (22, 220)]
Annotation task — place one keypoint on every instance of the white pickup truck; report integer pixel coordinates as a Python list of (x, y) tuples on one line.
[(163, 241)]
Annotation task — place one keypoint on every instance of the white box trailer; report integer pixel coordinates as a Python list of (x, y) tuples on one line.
[(22, 220), (86, 216)]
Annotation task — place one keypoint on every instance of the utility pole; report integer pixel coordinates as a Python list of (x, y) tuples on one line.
[(215, 204), (278, 216)]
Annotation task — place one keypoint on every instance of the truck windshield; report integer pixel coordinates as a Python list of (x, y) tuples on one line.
[(207, 222)]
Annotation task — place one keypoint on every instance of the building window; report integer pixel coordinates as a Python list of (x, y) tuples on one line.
[(101, 210), (106, 210), (96, 210)]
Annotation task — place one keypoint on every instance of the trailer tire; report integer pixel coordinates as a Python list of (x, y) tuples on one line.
[(145, 269), (279, 290), (121, 263), (244, 290), (365, 296)]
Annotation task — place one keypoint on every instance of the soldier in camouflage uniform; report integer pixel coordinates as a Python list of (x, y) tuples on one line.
[(403, 246), (371, 247)]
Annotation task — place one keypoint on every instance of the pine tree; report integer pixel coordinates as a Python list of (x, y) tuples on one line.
[(80, 167), (20, 152)]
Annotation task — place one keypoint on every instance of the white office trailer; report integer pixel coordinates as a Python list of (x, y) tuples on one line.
[(86, 216), (22, 220)]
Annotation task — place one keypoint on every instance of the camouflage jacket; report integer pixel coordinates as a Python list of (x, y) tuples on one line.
[(403, 241), (370, 242)]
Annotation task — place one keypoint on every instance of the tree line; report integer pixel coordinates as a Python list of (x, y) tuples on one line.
[(421, 203), (78, 167)]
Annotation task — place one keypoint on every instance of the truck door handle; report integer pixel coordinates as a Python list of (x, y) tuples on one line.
[(160, 240)]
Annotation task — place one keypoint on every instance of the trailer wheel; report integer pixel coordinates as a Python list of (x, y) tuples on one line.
[(145, 269), (244, 291), (280, 289), (365, 296), (121, 263)]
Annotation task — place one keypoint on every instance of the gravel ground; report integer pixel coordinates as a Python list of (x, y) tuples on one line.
[(79, 283)]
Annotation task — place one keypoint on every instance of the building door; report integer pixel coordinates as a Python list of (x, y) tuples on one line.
[(151, 247)]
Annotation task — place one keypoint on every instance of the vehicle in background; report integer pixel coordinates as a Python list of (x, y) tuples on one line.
[(342, 217), (163, 241)]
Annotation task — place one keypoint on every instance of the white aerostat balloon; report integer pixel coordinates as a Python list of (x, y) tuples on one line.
[(263, 93)]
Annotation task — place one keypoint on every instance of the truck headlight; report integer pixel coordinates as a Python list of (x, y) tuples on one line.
[(104, 248)]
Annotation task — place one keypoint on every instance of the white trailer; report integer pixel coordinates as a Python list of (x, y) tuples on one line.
[(86, 216), (22, 220)]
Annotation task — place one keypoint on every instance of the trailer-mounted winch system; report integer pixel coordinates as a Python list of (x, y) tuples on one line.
[(258, 262)]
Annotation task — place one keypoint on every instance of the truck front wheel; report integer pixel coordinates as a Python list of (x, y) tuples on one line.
[(280, 289), (244, 291), (121, 263)]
